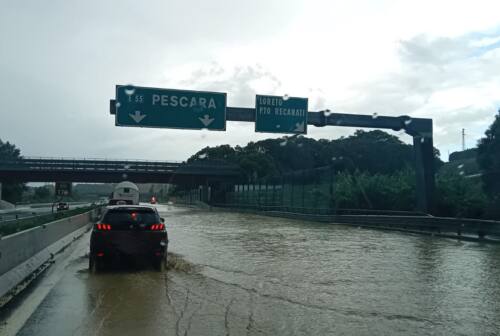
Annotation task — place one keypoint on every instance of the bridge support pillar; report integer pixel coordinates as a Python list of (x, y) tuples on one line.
[(205, 191), (424, 171)]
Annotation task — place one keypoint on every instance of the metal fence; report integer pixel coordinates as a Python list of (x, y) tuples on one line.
[(307, 189)]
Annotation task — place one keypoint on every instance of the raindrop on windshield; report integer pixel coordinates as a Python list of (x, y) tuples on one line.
[(460, 166), (300, 145), (285, 96), (129, 90), (126, 166), (202, 156), (278, 126), (408, 121), (124, 176), (334, 158), (462, 172), (375, 115), (283, 143), (327, 113), (117, 104), (422, 140)]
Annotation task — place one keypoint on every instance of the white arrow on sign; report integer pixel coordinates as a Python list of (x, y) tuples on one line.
[(137, 116), (299, 127), (206, 120)]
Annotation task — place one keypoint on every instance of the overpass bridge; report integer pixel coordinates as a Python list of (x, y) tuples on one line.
[(30, 169)]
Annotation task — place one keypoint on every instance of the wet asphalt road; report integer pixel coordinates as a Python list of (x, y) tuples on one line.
[(241, 274)]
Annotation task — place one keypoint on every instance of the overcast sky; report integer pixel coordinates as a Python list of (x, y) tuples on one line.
[(60, 62)]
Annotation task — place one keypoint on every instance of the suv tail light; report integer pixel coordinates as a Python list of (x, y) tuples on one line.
[(103, 227), (157, 227)]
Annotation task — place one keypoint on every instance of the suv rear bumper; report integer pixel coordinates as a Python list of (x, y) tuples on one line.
[(128, 243)]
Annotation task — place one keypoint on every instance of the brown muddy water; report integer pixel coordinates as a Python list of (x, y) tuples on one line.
[(243, 274)]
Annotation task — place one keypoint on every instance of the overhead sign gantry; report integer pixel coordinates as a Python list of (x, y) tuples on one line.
[(197, 111)]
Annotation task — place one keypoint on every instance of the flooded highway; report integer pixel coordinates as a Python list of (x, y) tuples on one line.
[(243, 274)]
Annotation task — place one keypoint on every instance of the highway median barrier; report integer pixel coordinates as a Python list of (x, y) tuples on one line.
[(23, 253), (8, 227)]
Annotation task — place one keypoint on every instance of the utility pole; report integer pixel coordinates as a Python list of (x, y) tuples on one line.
[(463, 139)]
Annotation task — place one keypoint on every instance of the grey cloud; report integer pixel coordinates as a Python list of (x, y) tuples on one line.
[(60, 61), (429, 66), (423, 49), (237, 82)]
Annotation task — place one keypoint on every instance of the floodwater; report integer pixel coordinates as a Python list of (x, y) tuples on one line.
[(242, 274)]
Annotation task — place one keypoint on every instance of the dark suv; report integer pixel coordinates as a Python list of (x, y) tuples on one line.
[(62, 206), (129, 231)]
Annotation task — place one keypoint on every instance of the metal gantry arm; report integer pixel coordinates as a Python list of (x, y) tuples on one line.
[(412, 126), (419, 128)]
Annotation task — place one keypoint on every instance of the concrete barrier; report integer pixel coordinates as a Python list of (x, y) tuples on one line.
[(24, 252)]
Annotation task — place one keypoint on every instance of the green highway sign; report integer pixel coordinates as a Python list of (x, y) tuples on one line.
[(275, 114), (168, 108), (63, 189)]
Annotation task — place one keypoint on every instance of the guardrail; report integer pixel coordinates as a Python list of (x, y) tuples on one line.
[(321, 211), (24, 223), (460, 228), (37, 205)]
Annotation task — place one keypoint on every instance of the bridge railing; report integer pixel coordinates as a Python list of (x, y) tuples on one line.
[(54, 158), (59, 164), (87, 165)]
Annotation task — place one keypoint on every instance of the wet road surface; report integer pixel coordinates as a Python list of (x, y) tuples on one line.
[(242, 274)]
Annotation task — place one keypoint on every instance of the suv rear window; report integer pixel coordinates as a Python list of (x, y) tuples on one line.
[(126, 217), (118, 201)]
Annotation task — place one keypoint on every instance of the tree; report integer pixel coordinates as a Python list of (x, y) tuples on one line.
[(459, 196), (488, 159), (375, 152), (11, 192), (42, 193)]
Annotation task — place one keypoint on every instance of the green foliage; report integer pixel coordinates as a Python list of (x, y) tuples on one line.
[(42, 194), (462, 166), (459, 196), (456, 195), (8, 151), (372, 152), (362, 190), (489, 159), (11, 192)]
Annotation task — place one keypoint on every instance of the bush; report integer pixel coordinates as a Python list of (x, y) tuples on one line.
[(378, 191), (459, 196)]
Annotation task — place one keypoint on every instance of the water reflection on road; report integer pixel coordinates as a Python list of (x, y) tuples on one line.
[(242, 274)]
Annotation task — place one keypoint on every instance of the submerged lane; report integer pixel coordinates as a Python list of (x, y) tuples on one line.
[(242, 274)]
